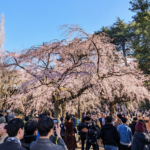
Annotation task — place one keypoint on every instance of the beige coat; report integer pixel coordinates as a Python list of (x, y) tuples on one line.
[(2, 138)]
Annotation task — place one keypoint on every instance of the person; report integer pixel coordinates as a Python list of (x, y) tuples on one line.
[(119, 121), (140, 139), (125, 136), (2, 118), (109, 135), (45, 129), (3, 132), (133, 124), (52, 137), (98, 116), (81, 126), (92, 134), (69, 134), (15, 130), (103, 120), (9, 116), (88, 114), (36, 117), (30, 133), (62, 133)]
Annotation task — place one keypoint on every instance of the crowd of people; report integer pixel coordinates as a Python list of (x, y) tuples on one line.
[(43, 132)]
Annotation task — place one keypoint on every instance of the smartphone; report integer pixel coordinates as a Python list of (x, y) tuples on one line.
[(55, 124)]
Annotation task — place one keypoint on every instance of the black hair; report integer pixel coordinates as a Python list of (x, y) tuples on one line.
[(45, 124), (119, 116), (30, 127), (109, 119), (135, 119), (124, 120), (14, 126), (88, 113), (87, 118), (26, 118), (67, 117)]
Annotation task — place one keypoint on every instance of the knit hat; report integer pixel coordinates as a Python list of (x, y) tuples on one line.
[(2, 120), (140, 127)]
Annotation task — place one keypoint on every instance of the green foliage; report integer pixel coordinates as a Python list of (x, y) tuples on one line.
[(145, 105), (141, 27), (120, 32)]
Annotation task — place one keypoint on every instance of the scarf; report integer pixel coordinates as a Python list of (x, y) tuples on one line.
[(13, 139)]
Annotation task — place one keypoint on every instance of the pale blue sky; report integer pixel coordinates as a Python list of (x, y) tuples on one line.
[(32, 22)]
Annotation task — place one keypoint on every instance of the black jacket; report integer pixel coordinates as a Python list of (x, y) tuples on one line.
[(27, 140), (110, 135), (140, 139), (10, 145), (80, 127), (132, 126), (92, 134)]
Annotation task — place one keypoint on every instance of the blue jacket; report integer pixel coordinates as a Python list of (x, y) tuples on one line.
[(125, 134)]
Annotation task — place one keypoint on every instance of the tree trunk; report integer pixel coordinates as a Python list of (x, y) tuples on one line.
[(63, 109), (124, 53), (57, 110), (79, 108), (112, 109)]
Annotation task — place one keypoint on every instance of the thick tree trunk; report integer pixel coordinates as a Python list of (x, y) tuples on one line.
[(57, 110), (63, 110), (112, 109)]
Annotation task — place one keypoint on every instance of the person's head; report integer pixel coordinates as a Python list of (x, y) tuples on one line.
[(140, 127), (26, 118), (103, 115), (87, 120), (8, 112), (109, 119), (31, 127), (94, 117), (124, 120), (76, 116), (98, 115), (88, 114), (119, 116), (83, 121), (15, 128), (45, 126), (123, 116), (135, 119), (3, 131), (67, 117), (61, 119)]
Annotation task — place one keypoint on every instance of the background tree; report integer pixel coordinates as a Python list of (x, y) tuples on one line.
[(86, 68), (120, 32), (141, 27)]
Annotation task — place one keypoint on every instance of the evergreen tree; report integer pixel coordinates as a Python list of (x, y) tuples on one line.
[(141, 28), (120, 32)]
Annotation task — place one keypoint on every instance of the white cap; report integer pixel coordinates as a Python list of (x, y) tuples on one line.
[(8, 111)]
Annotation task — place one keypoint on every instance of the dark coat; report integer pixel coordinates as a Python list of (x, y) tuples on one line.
[(70, 136), (100, 120), (140, 139), (80, 127), (10, 145), (46, 144), (62, 133), (27, 140), (110, 135), (132, 126)]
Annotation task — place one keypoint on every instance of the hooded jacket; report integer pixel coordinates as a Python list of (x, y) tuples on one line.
[(132, 126), (110, 135), (140, 139)]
